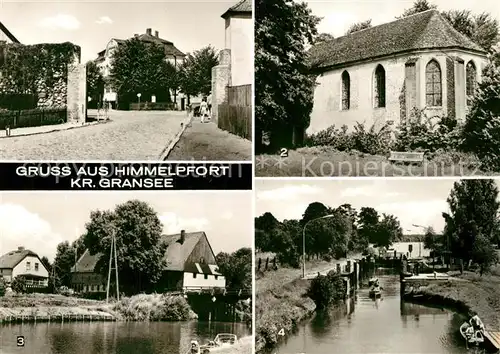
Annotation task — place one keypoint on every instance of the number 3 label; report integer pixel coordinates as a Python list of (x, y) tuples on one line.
[(20, 341)]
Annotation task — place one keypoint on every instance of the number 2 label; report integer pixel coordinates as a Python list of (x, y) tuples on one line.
[(284, 152)]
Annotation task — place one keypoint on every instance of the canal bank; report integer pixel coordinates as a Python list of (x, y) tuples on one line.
[(467, 293), (383, 325), (142, 307)]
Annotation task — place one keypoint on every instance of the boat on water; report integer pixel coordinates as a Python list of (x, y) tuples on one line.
[(221, 341), (473, 331)]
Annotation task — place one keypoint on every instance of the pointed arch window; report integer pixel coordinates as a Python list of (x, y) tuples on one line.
[(379, 86), (433, 91), (471, 81), (346, 91)]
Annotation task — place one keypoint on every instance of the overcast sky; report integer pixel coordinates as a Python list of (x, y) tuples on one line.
[(190, 25), (39, 221), (415, 201), (339, 15)]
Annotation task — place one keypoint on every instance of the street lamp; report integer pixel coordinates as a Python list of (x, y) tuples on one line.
[(304, 242)]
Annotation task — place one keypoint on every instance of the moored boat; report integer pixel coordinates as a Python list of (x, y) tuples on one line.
[(222, 340)]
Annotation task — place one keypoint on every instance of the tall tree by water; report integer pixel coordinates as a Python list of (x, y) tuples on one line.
[(140, 250), (472, 223), (195, 74), (284, 88), (237, 268), (63, 264)]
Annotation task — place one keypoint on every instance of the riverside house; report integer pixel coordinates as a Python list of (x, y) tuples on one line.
[(26, 264), (191, 266)]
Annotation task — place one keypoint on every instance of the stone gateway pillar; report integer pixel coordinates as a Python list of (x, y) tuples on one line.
[(221, 79), (77, 93)]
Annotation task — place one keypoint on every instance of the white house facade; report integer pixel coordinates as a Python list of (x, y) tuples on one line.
[(381, 74), (24, 263)]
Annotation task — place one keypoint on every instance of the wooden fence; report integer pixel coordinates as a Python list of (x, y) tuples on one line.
[(266, 264), (235, 116)]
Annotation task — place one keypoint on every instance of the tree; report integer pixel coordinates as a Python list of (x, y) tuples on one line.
[(95, 82), (266, 240), (237, 268), (473, 215), (140, 67), (63, 264), (195, 74), (387, 231), (323, 37), (326, 290), (481, 29), (483, 253), (418, 6), (284, 98), (367, 223), (46, 264), (140, 251), (359, 26), (481, 132), (3, 287), (313, 211)]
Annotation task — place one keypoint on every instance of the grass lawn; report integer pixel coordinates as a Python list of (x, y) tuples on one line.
[(327, 162)]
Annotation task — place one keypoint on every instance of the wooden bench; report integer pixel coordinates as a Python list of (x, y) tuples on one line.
[(406, 156)]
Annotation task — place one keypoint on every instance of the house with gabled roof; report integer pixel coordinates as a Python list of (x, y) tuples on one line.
[(191, 266), (24, 263), (381, 74), (104, 59)]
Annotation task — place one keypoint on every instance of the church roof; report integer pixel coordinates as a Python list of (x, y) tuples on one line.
[(425, 30)]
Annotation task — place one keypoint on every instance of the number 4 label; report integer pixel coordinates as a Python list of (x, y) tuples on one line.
[(281, 332)]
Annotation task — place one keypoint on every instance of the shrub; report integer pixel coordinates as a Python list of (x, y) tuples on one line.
[(3, 287), (336, 138), (421, 133), (19, 285), (327, 290), (370, 141), (481, 132), (154, 307)]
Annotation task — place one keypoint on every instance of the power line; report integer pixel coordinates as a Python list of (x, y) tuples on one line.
[(113, 251)]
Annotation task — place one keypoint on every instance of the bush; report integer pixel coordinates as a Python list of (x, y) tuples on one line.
[(16, 101), (327, 290), (421, 133), (154, 307), (482, 127), (3, 287), (367, 141), (19, 285)]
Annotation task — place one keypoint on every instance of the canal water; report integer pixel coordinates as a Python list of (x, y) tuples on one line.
[(385, 325), (112, 337)]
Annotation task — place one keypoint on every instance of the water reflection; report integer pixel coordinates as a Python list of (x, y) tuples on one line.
[(384, 325), (112, 337)]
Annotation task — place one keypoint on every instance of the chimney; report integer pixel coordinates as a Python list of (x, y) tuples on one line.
[(148, 31), (20, 248), (183, 237), (157, 34)]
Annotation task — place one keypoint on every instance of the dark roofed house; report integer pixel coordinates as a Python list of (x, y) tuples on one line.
[(380, 74), (24, 263), (190, 260)]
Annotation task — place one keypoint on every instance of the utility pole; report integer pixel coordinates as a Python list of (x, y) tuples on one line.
[(113, 251)]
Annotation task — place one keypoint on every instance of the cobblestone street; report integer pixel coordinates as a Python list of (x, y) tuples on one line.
[(131, 135)]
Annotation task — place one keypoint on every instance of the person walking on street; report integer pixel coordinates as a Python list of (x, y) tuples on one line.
[(203, 109)]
